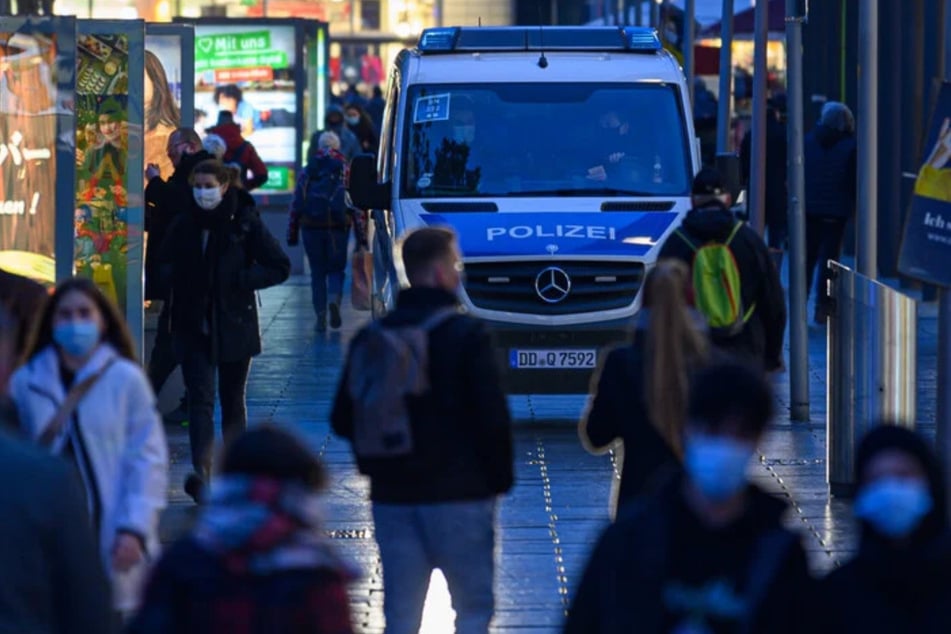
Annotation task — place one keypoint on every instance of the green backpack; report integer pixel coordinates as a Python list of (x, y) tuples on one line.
[(717, 285)]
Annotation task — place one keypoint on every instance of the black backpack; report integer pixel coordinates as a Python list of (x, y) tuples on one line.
[(326, 203)]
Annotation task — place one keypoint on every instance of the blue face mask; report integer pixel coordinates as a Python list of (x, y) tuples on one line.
[(717, 464), (77, 338), (894, 506)]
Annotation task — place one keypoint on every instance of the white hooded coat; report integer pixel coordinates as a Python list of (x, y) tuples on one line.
[(121, 432)]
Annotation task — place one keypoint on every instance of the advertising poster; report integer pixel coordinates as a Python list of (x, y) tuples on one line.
[(926, 247), (163, 97), (248, 70), (30, 102)]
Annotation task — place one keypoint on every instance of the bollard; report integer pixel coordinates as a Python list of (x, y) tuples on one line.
[(871, 367)]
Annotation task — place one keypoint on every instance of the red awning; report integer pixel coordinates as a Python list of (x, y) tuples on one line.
[(743, 21)]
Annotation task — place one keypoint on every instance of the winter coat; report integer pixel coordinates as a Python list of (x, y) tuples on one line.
[(775, 201), (119, 431), (164, 200), (646, 566), (830, 159), (461, 427), (52, 581), (241, 151), (213, 288), (349, 143), (297, 217), (761, 340)]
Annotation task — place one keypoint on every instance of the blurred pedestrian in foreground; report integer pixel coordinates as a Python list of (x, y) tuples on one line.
[(23, 299), (900, 580), (642, 388), (707, 552), (421, 402), (82, 395), (830, 160), (217, 256), (256, 561)]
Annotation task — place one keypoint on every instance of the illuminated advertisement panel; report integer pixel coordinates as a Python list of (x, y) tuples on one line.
[(163, 97), (35, 135), (248, 70)]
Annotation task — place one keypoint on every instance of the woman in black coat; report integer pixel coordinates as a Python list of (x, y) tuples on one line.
[(641, 389), (218, 254), (900, 580)]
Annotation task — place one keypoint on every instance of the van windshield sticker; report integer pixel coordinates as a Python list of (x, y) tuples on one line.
[(431, 108)]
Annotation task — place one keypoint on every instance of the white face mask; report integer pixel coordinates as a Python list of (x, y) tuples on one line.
[(207, 198), (463, 133)]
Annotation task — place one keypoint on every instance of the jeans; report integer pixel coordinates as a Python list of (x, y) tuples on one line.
[(823, 243), (199, 373), (326, 251), (456, 537)]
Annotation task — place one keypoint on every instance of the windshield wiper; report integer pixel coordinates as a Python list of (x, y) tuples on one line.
[(584, 191)]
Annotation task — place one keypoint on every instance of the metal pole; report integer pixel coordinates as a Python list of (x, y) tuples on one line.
[(798, 327), (757, 203), (690, 14), (725, 105), (866, 252), (943, 405)]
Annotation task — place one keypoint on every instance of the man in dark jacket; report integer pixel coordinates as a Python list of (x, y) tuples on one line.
[(240, 151), (164, 200), (707, 552), (777, 223), (831, 179), (435, 507), (52, 578), (761, 339)]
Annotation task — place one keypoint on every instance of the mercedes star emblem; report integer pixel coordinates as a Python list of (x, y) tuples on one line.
[(552, 285)]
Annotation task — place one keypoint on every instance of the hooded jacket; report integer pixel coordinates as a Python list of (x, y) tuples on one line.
[(241, 151), (892, 587), (831, 172), (761, 339), (658, 555)]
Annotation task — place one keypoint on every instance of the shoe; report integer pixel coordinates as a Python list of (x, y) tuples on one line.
[(178, 415), (195, 487), (334, 308), (321, 323)]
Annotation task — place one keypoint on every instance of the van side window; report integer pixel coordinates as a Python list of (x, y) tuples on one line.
[(388, 133)]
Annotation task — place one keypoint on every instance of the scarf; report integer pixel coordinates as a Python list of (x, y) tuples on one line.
[(261, 525)]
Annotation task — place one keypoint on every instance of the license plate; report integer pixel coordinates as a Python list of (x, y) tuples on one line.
[(553, 359)]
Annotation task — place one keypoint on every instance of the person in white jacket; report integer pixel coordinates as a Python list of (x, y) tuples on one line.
[(82, 394)]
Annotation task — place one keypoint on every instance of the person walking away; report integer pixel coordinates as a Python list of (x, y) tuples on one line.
[(640, 392), (257, 549), (831, 180), (333, 122), (322, 212), (777, 217), (240, 151), (164, 201), (83, 396), (52, 580), (900, 580), (217, 256), (360, 123), (420, 401), (735, 284), (708, 551)]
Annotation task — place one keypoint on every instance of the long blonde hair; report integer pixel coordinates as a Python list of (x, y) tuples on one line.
[(676, 346)]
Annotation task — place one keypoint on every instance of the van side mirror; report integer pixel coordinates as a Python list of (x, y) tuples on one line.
[(729, 167), (364, 190)]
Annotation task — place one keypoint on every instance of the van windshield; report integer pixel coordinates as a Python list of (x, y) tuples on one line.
[(540, 139)]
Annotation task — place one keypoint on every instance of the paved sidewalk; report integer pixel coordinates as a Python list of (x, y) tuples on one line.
[(559, 505)]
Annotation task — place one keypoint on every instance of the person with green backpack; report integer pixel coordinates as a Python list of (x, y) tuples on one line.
[(735, 284)]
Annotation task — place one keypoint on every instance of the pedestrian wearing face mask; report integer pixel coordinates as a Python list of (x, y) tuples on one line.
[(334, 122), (217, 256), (707, 552), (360, 123), (900, 580), (83, 396)]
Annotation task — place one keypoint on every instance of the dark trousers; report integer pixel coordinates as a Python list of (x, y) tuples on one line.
[(200, 374), (823, 243), (163, 360), (326, 251)]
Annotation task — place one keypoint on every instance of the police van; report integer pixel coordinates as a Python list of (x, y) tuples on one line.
[(562, 156)]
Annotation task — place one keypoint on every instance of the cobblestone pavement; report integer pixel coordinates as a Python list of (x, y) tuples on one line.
[(559, 505)]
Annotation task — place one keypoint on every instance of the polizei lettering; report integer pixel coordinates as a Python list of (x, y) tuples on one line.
[(521, 232)]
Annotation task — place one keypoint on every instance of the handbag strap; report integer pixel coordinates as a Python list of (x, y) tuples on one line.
[(76, 393)]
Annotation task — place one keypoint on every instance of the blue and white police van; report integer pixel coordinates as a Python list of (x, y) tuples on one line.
[(562, 156)]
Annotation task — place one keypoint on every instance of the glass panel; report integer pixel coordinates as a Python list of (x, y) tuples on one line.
[(544, 139)]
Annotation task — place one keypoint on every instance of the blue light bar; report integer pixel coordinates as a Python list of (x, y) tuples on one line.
[(642, 38), (439, 39)]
